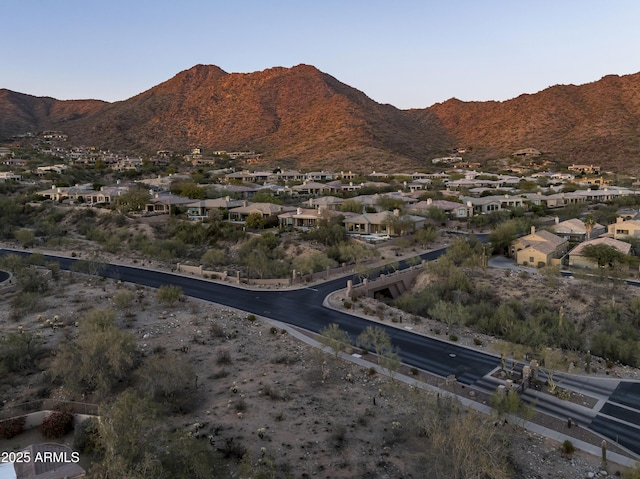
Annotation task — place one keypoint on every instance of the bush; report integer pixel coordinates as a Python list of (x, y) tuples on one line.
[(567, 447), (453, 337), (57, 424), (86, 439), (169, 294), (224, 357), (12, 427)]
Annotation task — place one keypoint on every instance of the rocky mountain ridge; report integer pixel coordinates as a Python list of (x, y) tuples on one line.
[(310, 119)]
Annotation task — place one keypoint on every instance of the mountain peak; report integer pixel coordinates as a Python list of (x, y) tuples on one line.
[(312, 119)]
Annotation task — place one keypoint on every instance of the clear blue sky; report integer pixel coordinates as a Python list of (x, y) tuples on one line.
[(408, 53)]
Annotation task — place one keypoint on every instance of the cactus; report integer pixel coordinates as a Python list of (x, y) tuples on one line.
[(604, 454)]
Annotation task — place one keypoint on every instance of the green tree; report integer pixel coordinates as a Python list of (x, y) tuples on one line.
[(426, 235), (19, 352), (335, 338), (312, 262), (388, 203), (351, 206), (133, 200), (604, 255), (25, 237), (375, 339), (214, 257), (255, 221), (505, 233), (437, 214)]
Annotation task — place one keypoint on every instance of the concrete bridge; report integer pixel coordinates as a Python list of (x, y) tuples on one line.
[(390, 285)]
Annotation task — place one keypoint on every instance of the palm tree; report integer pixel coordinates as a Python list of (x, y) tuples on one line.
[(589, 222)]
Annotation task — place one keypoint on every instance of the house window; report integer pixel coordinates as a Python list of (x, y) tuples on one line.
[(531, 259), (462, 212)]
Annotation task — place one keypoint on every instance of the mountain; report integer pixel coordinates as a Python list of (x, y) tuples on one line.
[(304, 117), (298, 114), (20, 113), (597, 122)]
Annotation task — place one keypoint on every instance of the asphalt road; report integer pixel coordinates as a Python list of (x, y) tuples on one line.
[(618, 420), (304, 308)]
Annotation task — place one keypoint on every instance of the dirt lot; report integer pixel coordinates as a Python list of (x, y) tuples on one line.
[(275, 395)]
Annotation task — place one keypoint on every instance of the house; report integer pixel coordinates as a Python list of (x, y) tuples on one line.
[(383, 223), (305, 219), (576, 230), (621, 228), (319, 176), (584, 169), (539, 248), (163, 202), (15, 162), (453, 209), (8, 176), (577, 259), (266, 210), (312, 188), (326, 202), (200, 209)]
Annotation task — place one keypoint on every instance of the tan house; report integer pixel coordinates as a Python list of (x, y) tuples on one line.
[(162, 203), (266, 210), (576, 230), (201, 208), (305, 219), (539, 248), (622, 228), (578, 260), (383, 223)]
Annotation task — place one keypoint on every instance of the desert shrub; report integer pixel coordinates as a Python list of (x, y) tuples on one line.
[(453, 337), (12, 427), (123, 299), (224, 357), (28, 302), (251, 317), (169, 294), (277, 394), (19, 352), (86, 439), (567, 447), (216, 331), (57, 424)]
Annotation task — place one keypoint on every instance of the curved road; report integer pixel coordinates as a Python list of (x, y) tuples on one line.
[(304, 308)]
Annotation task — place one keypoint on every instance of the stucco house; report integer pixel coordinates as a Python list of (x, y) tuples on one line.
[(383, 223), (575, 230), (162, 202), (200, 209), (622, 228), (266, 210), (577, 259), (539, 248), (453, 209), (305, 218)]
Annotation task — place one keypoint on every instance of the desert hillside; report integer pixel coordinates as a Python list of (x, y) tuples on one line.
[(309, 119)]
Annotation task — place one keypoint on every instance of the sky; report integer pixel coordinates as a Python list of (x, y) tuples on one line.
[(408, 53)]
